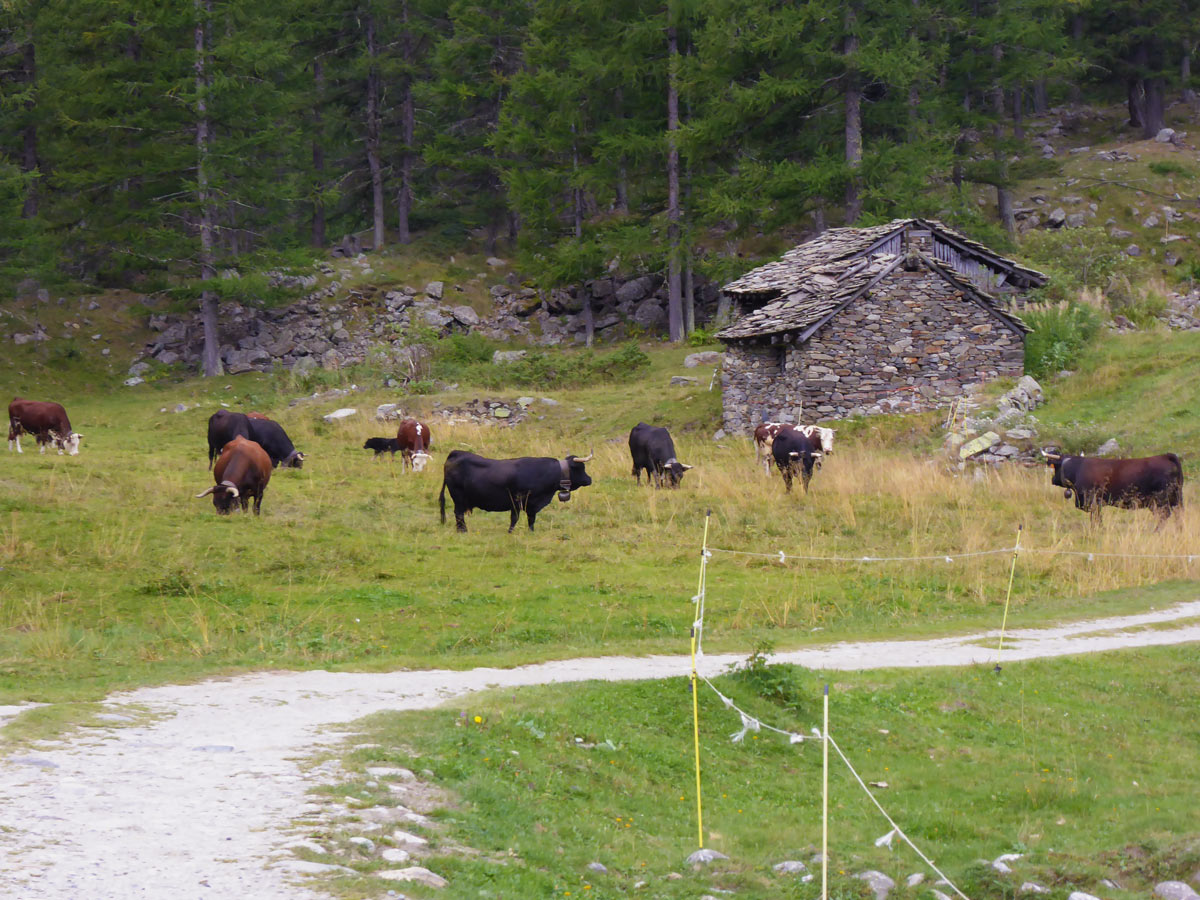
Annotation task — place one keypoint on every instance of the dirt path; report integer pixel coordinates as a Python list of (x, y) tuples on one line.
[(196, 803)]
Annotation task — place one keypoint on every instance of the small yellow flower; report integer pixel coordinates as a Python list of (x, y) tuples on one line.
[(478, 720)]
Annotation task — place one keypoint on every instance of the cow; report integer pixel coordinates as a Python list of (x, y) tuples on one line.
[(495, 485), (795, 454), (765, 433), (382, 445), (44, 419), (653, 450), (1154, 482), (241, 474), (224, 425), (415, 441)]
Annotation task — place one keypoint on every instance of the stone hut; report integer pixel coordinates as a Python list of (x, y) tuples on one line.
[(859, 321)]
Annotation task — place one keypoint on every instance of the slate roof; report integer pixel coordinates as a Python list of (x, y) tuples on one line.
[(809, 283)]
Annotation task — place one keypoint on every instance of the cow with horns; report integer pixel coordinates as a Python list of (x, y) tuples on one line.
[(44, 419), (498, 485), (241, 475), (1154, 482), (653, 450), (765, 434), (224, 425), (795, 454)]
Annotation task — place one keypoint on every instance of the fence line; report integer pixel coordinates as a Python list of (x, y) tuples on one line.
[(753, 723), (781, 556)]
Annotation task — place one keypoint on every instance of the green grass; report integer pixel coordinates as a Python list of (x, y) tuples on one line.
[(1074, 763), (1140, 388), (116, 576)]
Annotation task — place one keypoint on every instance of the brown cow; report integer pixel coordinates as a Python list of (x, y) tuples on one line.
[(242, 472), (765, 433), (1154, 482), (45, 419), (415, 441)]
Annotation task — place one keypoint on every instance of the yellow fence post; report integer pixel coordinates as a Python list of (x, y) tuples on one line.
[(695, 686), (1008, 596)]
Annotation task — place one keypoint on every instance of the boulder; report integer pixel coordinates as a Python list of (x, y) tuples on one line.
[(435, 318), (1057, 218), (1109, 448), (419, 874), (635, 290), (465, 315), (134, 381), (650, 314), (701, 857), (1032, 887), (978, 445), (878, 882), (703, 358), (914, 879), (1151, 221), (1165, 136), (139, 368), (303, 365), (339, 414), (597, 867), (385, 411), (790, 867), (1076, 220), (1133, 250), (501, 357), (1175, 890), (496, 262), (683, 380), (435, 289)]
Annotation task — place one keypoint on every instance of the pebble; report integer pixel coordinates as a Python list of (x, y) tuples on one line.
[(1032, 887), (597, 867), (790, 867)]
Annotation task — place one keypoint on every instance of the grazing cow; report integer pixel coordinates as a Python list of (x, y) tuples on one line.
[(224, 426), (495, 485), (1155, 482), (795, 454), (765, 433), (241, 473), (382, 445), (46, 420), (653, 450), (415, 442)]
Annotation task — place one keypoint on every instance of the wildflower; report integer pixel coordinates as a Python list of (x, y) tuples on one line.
[(478, 720)]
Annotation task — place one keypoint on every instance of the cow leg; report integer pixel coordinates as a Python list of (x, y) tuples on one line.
[(258, 503), (806, 477), (460, 520), (531, 510), (514, 514), (786, 472)]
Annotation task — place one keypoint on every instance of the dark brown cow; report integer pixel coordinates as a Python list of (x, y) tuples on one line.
[(242, 472), (46, 420), (415, 441), (1154, 482), (765, 433)]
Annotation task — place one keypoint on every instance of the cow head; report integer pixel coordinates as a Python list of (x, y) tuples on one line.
[(674, 470), (294, 460), (826, 440), (223, 494), (1055, 461), (575, 475), (69, 444), (419, 459)]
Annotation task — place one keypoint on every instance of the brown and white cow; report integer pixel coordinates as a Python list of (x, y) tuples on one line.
[(241, 474), (46, 420), (415, 441), (1154, 482), (764, 436)]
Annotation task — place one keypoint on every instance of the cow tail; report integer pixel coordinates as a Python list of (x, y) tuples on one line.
[(1177, 499), (442, 501)]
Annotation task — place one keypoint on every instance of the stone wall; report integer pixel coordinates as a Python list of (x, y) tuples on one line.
[(912, 344)]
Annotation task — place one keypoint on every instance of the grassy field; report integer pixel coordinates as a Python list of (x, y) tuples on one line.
[(1076, 766), (115, 575)]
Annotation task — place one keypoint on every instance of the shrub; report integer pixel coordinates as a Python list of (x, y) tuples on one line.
[(1060, 333), (1075, 258), (701, 337), (1141, 306), (1166, 168)]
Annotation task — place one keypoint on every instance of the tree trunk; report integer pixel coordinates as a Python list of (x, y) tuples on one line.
[(1076, 95), (1004, 205), (689, 297), (374, 161), (1135, 102), (1018, 113), (29, 136), (1040, 103), (853, 102), (674, 213), (407, 129), (318, 155), (1136, 87), (621, 188), (1154, 110), (1185, 73), (819, 225), (211, 356)]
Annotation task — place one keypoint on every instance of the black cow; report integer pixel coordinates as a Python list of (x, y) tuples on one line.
[(382, 445), (653, 450), (495, 485), (1155, 482), (795, 453), (224, 425)]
